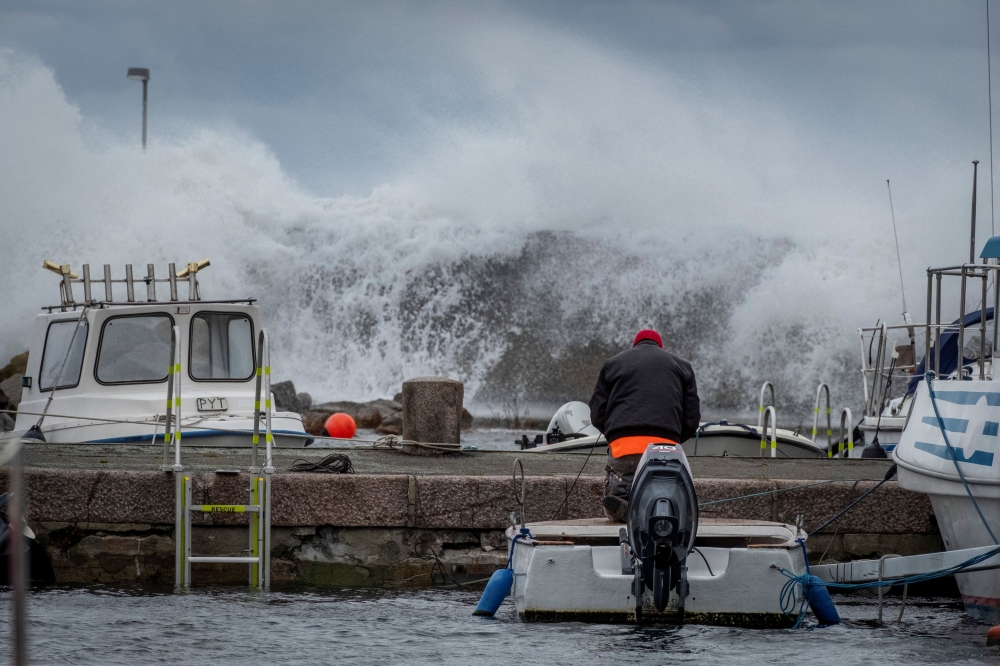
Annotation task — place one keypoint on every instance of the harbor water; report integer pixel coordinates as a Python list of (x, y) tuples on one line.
[(221, 626)]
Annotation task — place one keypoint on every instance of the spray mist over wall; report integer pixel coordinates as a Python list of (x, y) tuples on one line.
[(515, 257)]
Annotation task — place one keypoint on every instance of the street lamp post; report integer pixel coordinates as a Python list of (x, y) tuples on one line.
[(141, 74)]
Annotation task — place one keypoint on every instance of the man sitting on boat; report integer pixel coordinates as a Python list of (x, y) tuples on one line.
[(643, 395)]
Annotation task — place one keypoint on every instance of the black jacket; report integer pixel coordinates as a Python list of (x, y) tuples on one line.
[(646, 391)]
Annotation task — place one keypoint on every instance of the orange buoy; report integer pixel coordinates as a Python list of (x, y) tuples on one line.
[(993, 636), (340, 425)]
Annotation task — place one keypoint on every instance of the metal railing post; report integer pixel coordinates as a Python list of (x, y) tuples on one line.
[(927, 326), (937, 326), (187, 532), (982, 330), (16, 562), (961, 328), (770, 417), (167, 426), (829, 429), (178, 530), (845, 414), (996, 310), (760, 412), (256, 401)]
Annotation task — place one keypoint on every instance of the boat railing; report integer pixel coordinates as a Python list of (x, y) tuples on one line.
[(891, 360), (846, 431), (764, 389), (934, 331), (769, 418), (67, 299), (822, 389)]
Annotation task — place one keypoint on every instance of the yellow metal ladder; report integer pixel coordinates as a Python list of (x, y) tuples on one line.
[(258, 555)]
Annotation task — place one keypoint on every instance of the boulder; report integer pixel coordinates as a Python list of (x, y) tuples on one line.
[(12, 389), (17, 366), (369, 415), (285, 397)]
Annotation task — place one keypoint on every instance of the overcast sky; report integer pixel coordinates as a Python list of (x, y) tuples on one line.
[(349, 94)]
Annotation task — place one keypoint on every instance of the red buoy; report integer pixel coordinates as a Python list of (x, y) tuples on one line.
[(340, 425), (993, 636)]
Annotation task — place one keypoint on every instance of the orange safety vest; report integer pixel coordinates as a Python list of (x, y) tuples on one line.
[(628, 446)]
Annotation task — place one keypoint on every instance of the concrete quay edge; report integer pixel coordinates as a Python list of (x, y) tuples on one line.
[(447, 501)]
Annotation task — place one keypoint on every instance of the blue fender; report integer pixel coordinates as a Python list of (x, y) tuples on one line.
[(820, 602), (496, 591)]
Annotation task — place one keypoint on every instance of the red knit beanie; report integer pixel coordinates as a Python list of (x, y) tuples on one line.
[(648, 334)]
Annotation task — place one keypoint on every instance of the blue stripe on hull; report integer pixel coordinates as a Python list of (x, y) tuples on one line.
[(984, 458), (193, 435)]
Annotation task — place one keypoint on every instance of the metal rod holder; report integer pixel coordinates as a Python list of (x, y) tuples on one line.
[(87, 298), (150, 283), (109, 294), (129, 283)]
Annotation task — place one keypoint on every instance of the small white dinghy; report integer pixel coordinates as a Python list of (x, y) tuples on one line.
[(574, 570), (663, 566)]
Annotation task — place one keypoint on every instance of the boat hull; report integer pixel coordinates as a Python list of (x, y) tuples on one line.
[(970, 411), (584, 582), (226, 431)]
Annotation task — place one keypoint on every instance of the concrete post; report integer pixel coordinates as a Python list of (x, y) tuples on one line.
[(432, 412)]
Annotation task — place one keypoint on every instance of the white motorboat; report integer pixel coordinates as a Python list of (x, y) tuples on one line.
[(664, 565), (573, 571), (98, 370), (570, 430), (950, 446)]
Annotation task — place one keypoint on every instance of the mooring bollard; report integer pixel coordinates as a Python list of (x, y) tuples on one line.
[(432, 414)]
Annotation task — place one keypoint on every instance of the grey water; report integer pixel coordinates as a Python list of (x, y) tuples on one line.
[(222, 626)]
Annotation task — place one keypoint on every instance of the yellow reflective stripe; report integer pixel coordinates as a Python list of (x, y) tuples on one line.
[(761, 408), (168, 402), (178, 436), (816, 409), (829, 454), (763, 444), (256, 405), (223, 508), (270, 437), (267, 370), (177, 402), (850, 445), (828, 432), (256, 438), (814, 433), (258, 372), (267, 403), (827, 410), (774, 443)]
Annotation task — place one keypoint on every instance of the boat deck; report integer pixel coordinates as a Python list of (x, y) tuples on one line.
[(602, 530)]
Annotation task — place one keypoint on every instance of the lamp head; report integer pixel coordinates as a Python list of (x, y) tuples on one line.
[(138, 73)]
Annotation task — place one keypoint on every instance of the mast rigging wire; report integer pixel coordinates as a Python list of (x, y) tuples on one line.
[(989, 89), (899, 262)]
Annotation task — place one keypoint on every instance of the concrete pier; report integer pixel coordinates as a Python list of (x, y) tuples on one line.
[(106, 515)]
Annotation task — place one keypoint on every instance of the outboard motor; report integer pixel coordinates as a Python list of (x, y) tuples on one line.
[(662, 524)]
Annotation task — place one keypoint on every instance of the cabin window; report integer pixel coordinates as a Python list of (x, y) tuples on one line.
[(221, 347), (57, 342), (134, 349)]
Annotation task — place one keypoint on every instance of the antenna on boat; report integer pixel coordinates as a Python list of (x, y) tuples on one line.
[(899, 263), (989, 90), (972, 235)]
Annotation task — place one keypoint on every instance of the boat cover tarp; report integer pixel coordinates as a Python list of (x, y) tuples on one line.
[(949, 350)]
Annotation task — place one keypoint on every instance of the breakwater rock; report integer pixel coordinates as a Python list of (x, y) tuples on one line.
[(383, 416)]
